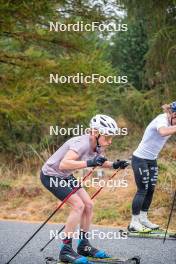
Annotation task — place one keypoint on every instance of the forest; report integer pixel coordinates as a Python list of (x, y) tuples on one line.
[(30, 52), (140, 45)]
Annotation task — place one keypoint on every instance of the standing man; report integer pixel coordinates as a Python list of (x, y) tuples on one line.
[(144, 164)]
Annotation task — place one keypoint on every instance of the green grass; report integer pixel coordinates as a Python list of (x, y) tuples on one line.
[(106, 214), (5, 185)]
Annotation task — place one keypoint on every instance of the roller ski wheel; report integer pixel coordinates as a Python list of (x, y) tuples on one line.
[(50, 260), (172, 236), (136, 260)]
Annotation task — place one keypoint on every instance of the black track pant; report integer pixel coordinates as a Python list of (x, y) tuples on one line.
[(146, 174)]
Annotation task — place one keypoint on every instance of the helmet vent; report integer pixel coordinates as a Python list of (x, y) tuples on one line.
[(103, 124), (103, 118)]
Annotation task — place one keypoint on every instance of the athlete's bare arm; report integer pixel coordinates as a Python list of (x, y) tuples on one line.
[(70, 162), (167, 131)]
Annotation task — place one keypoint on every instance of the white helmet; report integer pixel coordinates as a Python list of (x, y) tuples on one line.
[(104, 124)]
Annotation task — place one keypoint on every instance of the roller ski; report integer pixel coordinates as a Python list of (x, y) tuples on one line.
[(161, 234), (50, 260), (156, 233), (134, 260), (141, 226)]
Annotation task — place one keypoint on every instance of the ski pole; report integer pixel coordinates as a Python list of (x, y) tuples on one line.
[(172, 208), (99, 190), (93, 196), (53, 213)]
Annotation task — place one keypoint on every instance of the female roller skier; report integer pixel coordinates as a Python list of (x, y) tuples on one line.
[(78, 153), (145, 167)]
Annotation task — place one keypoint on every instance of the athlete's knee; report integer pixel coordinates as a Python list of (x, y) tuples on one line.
[(142, 192), (89, 205), (79, 207)]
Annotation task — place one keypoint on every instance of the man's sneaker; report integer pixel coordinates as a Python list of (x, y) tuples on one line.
[(147, 223), (68, 255), (138, 227), (86, 249), (143, 218)]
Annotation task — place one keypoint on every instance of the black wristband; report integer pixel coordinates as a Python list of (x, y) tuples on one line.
[(90, 163)]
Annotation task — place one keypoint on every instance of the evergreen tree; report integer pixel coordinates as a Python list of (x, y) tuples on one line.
[(30, 52)]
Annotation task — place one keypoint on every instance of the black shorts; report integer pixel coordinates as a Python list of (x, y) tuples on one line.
[(60, 187)]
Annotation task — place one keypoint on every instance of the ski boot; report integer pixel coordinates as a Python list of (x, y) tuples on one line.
[(86, 249), (68, 255), (138, 228), (146, 222)]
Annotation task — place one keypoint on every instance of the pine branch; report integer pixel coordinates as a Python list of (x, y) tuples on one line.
[(35, 37)]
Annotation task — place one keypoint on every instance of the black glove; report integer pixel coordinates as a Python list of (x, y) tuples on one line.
[(96, 161), (122, 164)]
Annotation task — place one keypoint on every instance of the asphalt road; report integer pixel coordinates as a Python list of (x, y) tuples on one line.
[(14, 234)]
